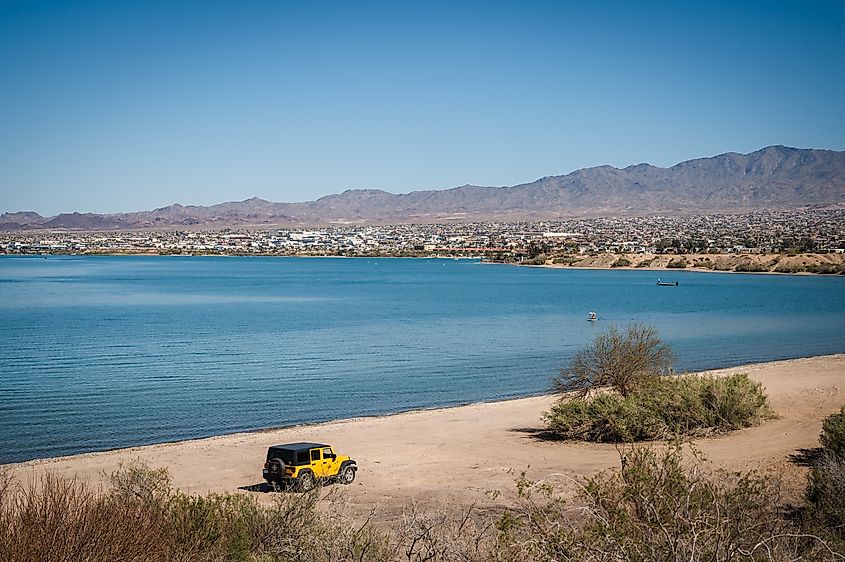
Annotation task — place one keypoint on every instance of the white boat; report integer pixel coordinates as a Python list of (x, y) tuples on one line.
[(592, 317)]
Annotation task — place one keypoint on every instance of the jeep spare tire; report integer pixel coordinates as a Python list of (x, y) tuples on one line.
[(276, 468)]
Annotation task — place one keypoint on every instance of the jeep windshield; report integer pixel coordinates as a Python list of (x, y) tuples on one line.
[(288, 456)]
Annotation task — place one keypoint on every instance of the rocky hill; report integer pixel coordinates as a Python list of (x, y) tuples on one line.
[(774, 178)]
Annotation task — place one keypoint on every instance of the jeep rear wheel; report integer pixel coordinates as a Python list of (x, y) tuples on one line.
[(347, 475), (306, 482)]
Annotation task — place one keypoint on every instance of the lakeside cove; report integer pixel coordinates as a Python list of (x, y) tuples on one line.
[(112, 352), (455, 457)]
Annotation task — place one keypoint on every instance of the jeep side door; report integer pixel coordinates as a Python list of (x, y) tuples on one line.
[(317, 466), (329, 462)]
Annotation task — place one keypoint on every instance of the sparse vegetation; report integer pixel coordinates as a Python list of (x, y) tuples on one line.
[(750, 267), (565, 260), (661, 505), (141, 518), (666, 406), (677, 263), (622, 359), (614, 391), (825, 511), (789, 268), (657, 508), (621, 262), (825, 268)]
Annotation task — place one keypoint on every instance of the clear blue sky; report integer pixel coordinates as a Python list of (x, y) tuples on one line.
[(122, 105)]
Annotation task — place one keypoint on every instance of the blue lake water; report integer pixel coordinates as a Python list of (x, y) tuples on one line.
[(106, 352)]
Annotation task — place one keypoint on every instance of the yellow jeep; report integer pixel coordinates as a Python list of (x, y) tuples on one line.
[(302, 465)]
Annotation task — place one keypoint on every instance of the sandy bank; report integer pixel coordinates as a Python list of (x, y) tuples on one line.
[(739, 263), (453, 457)]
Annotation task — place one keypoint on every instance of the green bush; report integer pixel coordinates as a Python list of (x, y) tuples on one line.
[(790, 268), (539, 259), (824, 268), (677, 263), (658, 507), (621, 262), (566, 260), (832, 437), (672, 405), (750, 267), (704, 263), (825, 510)]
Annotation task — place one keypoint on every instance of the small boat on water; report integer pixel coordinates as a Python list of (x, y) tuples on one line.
[(667, 283), (592, 317)]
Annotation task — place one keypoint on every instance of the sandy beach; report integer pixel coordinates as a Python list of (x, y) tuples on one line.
[(454, 457)]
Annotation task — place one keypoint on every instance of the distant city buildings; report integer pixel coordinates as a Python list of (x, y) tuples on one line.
[(765, 232)]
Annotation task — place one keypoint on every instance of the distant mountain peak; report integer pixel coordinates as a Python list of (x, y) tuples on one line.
[(774, 178)]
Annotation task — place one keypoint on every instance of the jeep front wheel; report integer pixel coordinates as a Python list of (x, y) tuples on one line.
[(306, 481), (347, 475)]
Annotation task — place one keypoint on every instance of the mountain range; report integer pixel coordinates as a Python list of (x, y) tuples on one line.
[(773, 178)]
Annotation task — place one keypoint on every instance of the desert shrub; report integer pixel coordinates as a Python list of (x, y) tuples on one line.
[(621, 262), (565, 260), (622, 359), (645, 263), (832, 437), (539, 259), (750, 267), (824, 268), (604, 418), (62, 519), (138, 481), (677, 263), (666, 406), (825, 510), (432, 535), (657, 507), (789, 268), (218, 526)]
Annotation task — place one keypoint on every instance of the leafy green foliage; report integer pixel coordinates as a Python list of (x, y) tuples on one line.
[(665, 406)]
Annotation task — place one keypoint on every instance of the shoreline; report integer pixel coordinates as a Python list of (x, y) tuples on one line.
[(807, 264), (455, 456), (422, 409), (289, 427)]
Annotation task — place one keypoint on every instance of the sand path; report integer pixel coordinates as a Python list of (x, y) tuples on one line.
[(453, 457)]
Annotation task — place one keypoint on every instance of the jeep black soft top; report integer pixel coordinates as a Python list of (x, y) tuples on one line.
[(293, 454)]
